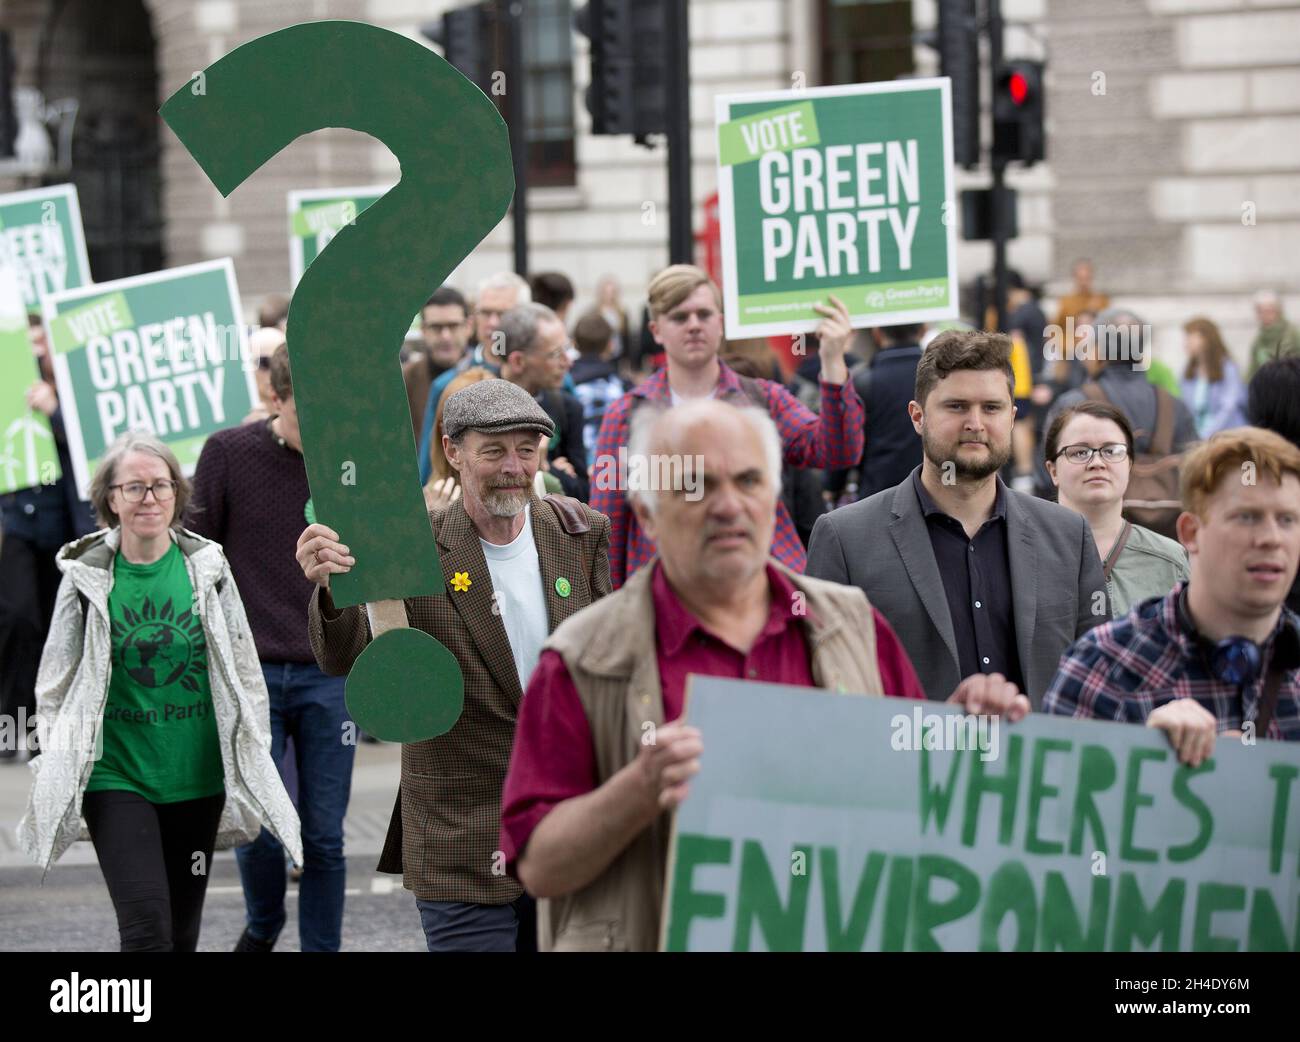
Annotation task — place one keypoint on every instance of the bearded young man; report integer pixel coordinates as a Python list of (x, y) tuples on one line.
[(973, 576)]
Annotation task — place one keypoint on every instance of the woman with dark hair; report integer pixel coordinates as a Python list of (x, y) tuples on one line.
[(1211, 385), (152, 711), (1089, 455), (1274, 404)]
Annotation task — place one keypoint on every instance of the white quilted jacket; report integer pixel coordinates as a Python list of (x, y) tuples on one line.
[(72, 689)]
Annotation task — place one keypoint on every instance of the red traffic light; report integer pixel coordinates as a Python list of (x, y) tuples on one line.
[(1019, 87)]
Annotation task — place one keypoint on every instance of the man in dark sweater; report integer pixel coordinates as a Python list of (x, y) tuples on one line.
[(251, 495), (445, 326)]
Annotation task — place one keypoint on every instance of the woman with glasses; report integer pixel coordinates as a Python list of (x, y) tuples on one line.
[(1089, 455), (152, 712)]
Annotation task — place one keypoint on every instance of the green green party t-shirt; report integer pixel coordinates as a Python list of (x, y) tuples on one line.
[(160, 733)]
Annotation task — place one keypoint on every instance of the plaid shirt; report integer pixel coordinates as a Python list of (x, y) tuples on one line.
[(833, 439), (1124, 669)]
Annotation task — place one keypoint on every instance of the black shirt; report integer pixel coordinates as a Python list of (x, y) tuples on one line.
[(976, 577)]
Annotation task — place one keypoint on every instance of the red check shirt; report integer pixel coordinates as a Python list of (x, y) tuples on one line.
[(554, 758), (833, 439)]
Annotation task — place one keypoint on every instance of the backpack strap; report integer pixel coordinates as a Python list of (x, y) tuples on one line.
[(1093, 392), (1162, 441), (573, 519), (569, 512)]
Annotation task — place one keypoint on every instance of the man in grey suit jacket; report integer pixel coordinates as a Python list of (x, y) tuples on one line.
[(974, 577)]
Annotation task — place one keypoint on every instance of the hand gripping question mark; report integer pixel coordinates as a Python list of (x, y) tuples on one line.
[(354, 305)]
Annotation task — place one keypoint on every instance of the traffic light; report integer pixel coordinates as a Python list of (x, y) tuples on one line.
[(957, 41), (628, 90), (466, 37), (1018, 112)]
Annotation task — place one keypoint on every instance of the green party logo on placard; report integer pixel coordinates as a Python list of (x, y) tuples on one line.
[(28, 456), (843, 191)]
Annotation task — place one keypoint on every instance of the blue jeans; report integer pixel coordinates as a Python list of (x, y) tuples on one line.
[(307, 705)]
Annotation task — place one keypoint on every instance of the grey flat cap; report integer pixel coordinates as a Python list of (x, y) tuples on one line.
[(494, 407)]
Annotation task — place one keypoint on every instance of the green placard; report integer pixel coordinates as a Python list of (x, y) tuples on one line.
[(164, 352), (915, 828), (42, 240), (844, 191), (27, 453)]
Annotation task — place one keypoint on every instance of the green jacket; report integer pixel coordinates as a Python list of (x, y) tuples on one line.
[(1150, 566), (1272, 342)]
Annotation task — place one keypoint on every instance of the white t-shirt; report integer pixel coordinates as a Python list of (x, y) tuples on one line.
[(517, 583)]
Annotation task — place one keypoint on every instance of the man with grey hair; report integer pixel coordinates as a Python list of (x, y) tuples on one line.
[(496, 295), (534, 355), (516, 567), (586, 811), (1119, 375), (1276, 337)]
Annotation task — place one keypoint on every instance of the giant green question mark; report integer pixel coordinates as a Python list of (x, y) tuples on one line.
[(354, 305)]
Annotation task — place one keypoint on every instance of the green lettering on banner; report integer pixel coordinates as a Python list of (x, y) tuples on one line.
[(1135, 921), (1010, 890), (936, 800), (1097, 773), (1133, 799), (848, 936), (1283, 775), (777, 130), (929, 914), (1195, 847), (1266, 932), (1211, 898), (693, 851), (758, 902), (1060, 929), (898, 905), (1006, 786), (1040, 791), (103, 315)]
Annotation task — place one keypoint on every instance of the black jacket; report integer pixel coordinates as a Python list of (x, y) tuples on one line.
[(566, 411)]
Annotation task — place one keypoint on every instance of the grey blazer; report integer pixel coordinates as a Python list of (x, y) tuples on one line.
[(882, 545)]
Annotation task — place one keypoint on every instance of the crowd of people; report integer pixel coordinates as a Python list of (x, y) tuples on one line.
[(914, 513)]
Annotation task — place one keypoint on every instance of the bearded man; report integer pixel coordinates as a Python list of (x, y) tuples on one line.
[(973, 576)]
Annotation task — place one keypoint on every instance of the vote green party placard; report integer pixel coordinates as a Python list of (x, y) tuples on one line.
[(836, 190), (27, 453), (315, 217), (42, 240), (846, 823), (164, 352)]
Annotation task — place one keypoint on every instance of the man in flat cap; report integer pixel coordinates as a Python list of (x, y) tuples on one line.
[(516, 567)]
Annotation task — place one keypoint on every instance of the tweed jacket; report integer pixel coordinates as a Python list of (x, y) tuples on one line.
[(882, 545), (72, 690), (445, 825)]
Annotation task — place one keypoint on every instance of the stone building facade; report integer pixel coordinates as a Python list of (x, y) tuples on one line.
[(1173, 141)]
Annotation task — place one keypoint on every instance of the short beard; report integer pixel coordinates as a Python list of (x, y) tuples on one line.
[(505, 502), (968, 471)]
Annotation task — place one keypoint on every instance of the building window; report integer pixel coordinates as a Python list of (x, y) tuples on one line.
[(864, 41), (548, 64)]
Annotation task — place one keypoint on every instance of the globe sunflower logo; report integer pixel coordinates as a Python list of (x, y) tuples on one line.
[(159, 646)]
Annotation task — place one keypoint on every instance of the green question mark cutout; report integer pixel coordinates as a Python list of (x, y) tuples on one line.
[(354, 304)]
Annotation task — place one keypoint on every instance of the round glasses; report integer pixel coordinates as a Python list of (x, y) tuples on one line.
[(1115, 452), (133, 492)]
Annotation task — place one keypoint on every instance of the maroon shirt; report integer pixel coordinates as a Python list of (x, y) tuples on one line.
[(554, 758)]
